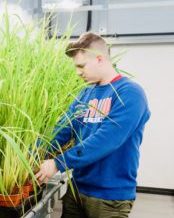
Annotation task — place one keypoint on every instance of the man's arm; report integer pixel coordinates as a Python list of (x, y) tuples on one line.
[(63, 133)]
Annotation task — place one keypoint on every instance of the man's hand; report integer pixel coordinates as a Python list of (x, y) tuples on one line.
[(47, 170)]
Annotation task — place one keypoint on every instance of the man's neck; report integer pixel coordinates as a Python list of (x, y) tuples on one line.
[(109, 77)]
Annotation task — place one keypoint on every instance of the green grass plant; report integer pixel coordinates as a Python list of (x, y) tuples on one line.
[(37, 84)]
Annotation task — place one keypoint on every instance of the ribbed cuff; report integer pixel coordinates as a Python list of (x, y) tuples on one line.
[(60, 164)]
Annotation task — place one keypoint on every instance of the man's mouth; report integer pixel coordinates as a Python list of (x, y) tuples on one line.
[(83, 77)]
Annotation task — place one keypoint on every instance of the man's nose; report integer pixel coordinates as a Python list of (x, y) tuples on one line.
[(79, 72)]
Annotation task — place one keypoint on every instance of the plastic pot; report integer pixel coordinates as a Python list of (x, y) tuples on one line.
[(12, 211)]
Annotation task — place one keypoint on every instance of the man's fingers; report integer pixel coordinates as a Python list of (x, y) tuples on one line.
[(39, 174), (46, 180), (47, 170), (42, 178)]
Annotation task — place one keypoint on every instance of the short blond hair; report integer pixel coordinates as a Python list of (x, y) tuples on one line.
[(85, 41)]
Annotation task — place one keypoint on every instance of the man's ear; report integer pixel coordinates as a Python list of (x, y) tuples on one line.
[(99, 58)]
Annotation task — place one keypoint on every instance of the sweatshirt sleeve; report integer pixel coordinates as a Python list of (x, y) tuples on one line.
[(113, 132)]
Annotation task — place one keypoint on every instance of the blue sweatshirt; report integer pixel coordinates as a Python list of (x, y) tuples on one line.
[(107, 123)]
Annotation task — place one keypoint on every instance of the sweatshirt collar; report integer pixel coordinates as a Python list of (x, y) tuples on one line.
[(116, 78)]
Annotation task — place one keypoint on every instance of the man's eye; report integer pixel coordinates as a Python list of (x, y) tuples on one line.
[(80, 66)]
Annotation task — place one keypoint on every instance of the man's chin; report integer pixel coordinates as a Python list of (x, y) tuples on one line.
[(90, 82)]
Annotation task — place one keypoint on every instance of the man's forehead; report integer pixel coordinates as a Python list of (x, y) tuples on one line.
[(80, 58)]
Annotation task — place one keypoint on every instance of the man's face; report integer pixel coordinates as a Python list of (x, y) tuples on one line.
[(88, 67)]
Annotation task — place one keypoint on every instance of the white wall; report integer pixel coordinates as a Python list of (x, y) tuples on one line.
[(153, 65)]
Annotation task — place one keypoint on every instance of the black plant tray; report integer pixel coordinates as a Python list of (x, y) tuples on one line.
[(17, 212)]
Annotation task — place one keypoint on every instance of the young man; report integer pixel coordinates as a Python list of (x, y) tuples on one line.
[(110, 115)]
